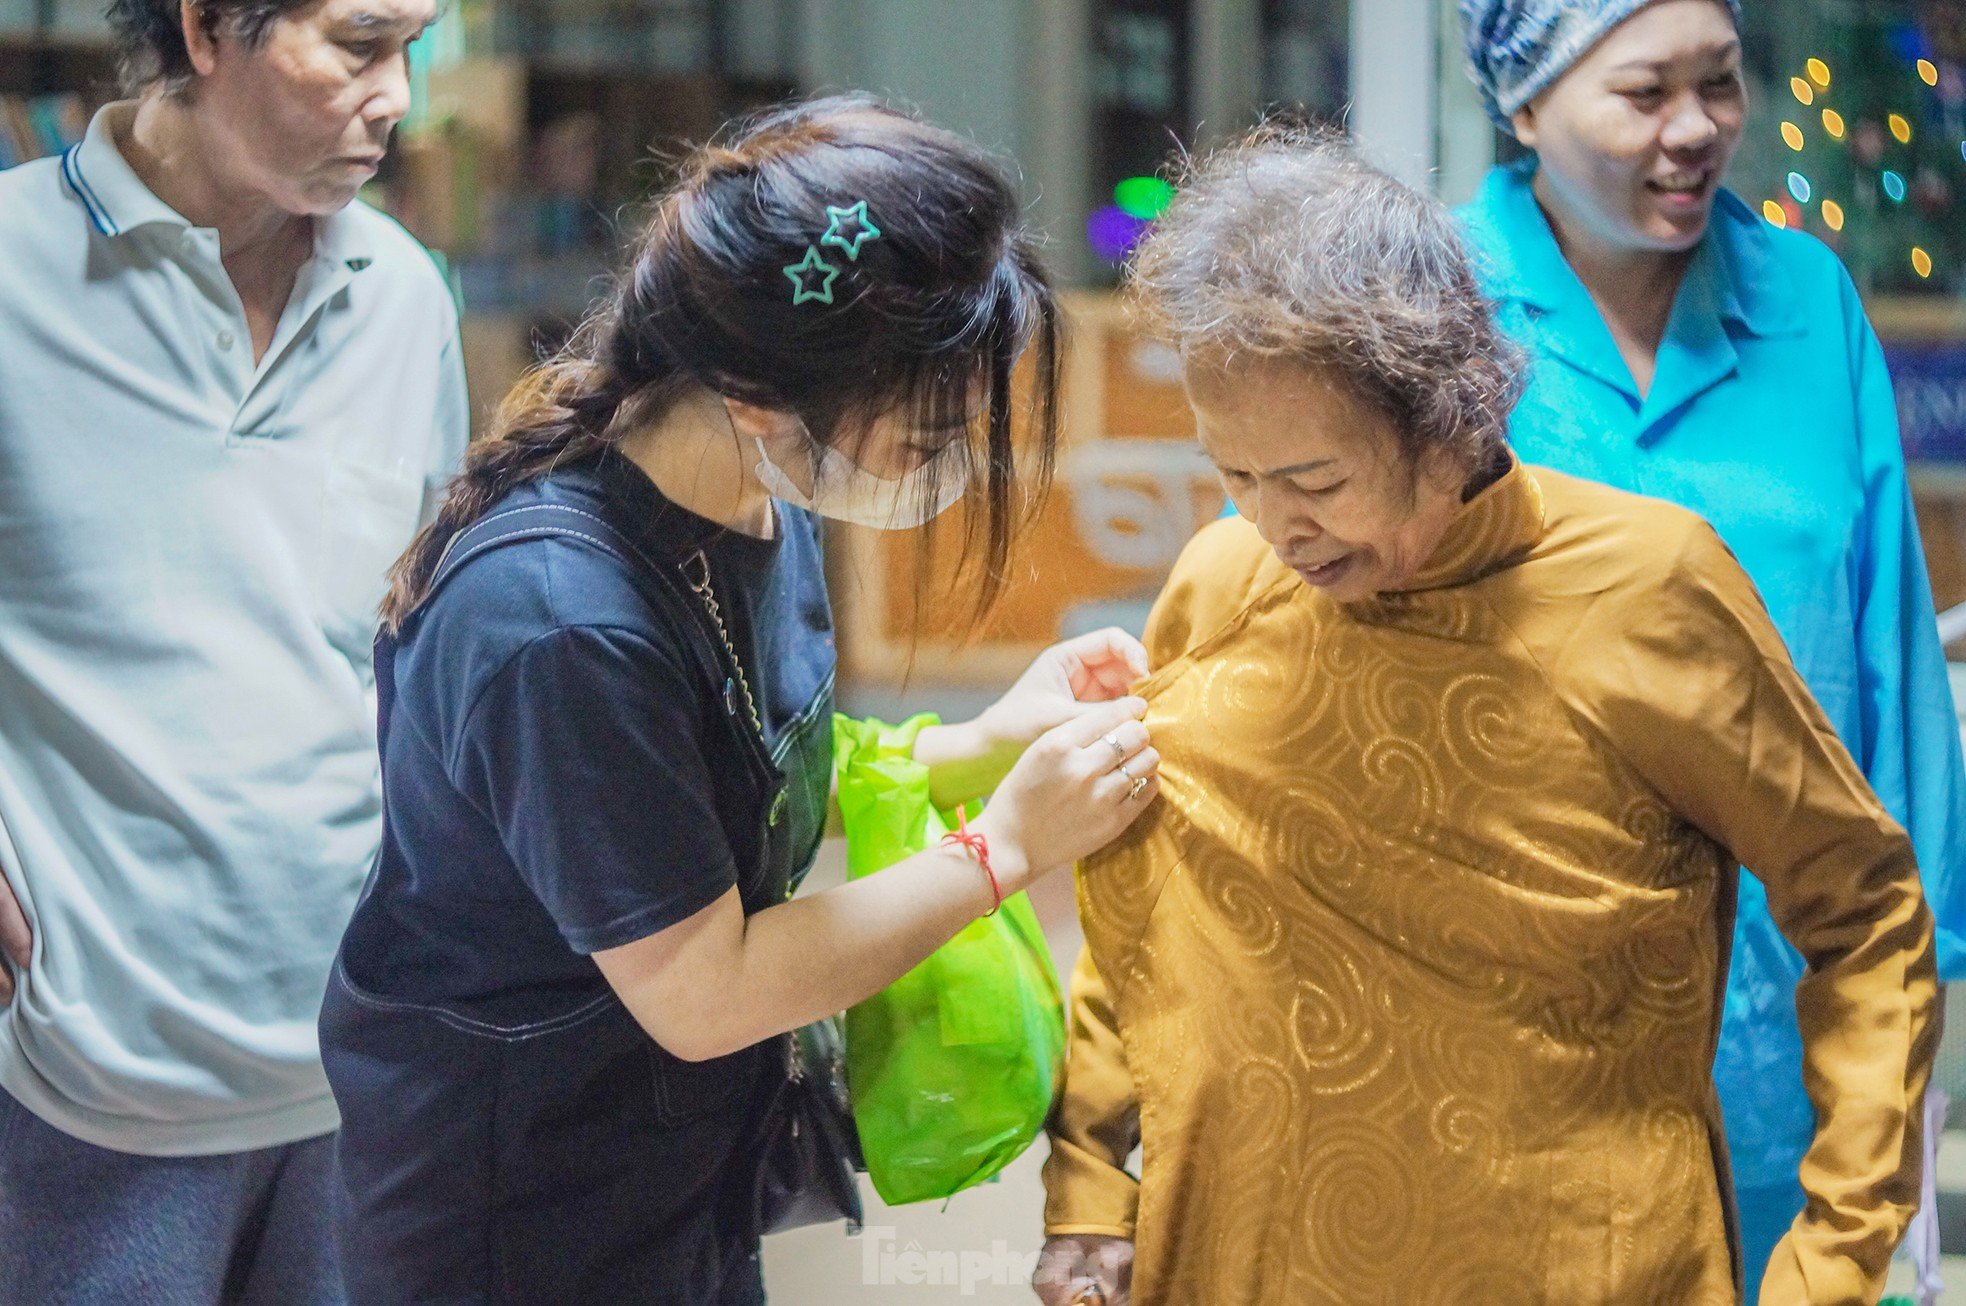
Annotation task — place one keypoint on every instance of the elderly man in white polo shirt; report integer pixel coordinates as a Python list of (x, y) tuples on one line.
[(225, 393)]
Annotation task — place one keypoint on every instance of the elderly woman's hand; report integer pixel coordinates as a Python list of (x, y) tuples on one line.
[(1065, 682), (1084, 1268)]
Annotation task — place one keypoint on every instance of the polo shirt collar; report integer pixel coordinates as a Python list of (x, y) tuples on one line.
[(341, 242), (116, 199), (118, 202)]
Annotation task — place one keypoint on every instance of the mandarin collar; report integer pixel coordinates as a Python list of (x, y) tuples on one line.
[(1493, 530)]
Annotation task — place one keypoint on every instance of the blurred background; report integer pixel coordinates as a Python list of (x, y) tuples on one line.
[(539, 125)]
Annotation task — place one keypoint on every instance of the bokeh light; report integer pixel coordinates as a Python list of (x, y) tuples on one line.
[(1928, 72), (1921, 262), (1833, 123), (1832, 215), (1900, 128), (1145, 198), (1793, 135), (1799, 187), (1819, 73), (1894, 185), (1772, 210), (1803, 91), (1113, 232)]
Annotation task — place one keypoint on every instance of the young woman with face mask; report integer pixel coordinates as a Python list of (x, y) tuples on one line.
[(607, 746), (1685, 349)]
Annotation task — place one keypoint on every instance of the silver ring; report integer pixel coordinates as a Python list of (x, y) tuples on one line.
[(1119, 749), (1121, 768), (1139, 787)]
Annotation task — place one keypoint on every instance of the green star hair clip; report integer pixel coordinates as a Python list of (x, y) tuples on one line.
[(812, 278), (864, 230)]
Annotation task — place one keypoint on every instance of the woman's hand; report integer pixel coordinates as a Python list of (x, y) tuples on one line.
[(1084, 1268), (1073, 792), (1065, 682)]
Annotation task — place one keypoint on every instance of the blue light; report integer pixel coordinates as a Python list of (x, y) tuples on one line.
[(1908, 42), (1799, 187), (1894, 186), (1113, 232)]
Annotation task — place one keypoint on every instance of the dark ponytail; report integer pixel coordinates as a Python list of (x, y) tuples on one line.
[(927, 324)]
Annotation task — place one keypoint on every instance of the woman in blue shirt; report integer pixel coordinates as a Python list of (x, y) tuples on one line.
[(1685, 349), (557, 1024)]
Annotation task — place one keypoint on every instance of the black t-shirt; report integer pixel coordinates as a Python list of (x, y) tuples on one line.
[(546, 780), (560, 776)]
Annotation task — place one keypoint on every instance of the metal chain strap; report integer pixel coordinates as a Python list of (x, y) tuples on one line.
[(697, 562)]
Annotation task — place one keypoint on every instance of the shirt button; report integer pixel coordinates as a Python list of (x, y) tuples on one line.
[(225, 340)]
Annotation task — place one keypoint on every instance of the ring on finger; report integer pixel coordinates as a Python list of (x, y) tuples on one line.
[(1122, 769), (1113, 742), (1138, 787)]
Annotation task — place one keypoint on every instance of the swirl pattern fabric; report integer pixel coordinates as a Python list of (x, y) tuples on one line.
[(1411, 979)]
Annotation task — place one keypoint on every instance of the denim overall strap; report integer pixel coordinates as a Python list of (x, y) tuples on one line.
[(533, 522)]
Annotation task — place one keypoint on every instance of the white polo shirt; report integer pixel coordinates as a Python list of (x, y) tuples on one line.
[(192, 548)]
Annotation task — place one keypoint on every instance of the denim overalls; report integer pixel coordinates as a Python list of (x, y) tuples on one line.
[(510, 1133)]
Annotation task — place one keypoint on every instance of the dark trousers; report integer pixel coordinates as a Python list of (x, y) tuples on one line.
[(82, 1225)]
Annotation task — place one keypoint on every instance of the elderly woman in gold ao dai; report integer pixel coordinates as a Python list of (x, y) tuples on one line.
[(1408, 987)]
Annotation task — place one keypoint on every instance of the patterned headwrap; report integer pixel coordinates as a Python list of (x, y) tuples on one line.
[(1517, 48)]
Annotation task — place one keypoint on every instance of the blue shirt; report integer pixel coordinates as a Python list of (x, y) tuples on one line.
[(1772, 416)]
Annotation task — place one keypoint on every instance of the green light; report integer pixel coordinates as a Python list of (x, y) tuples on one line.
[(1145, 198)]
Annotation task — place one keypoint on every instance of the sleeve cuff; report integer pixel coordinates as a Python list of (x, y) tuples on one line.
[(1795, 1275), (1085, 1194), (651, 918), (1069, 1229)]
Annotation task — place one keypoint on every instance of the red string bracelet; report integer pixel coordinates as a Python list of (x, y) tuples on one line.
[(978, 847)]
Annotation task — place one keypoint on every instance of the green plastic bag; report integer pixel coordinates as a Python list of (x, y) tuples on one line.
[(952, 1068)]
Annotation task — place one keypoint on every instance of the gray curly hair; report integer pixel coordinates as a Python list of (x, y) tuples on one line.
[(1287, 244)]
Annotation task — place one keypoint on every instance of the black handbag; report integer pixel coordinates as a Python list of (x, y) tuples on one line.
[(808, 1146)]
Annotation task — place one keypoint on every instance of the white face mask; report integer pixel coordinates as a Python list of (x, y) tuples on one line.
[(845, 491)]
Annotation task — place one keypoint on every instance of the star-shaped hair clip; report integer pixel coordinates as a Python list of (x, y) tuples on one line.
[(853, 216), (812, 278)]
